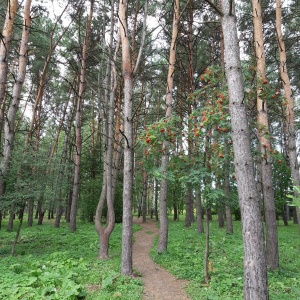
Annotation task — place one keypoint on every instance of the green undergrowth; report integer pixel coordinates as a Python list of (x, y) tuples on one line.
[(184, 259), (52, 263)]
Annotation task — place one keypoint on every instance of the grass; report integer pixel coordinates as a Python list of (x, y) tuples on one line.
[(52, 263), (184, 259)]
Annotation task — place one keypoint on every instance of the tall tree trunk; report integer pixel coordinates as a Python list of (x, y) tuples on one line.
[(265, 145), (128, 75), (163, 230), (78, 121), (255, 270), (126, 260), (290, 126), (6, 36), (110, 169), (9, 128)]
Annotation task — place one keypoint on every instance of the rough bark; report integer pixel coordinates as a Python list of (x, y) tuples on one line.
[(255, 270), (163, 230), (78, 122), (9, 128), (128, 75), (110, 160), (5, 40), (126, 260), (265, 145), (290, 125), (228, 213)]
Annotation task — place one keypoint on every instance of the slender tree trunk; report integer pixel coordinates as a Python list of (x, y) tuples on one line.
[(163, 230), (290, 126), (126, 260), (199, 219), (189, 214), (227, 189), (265, 145), (78, 122), (156, 199), (255, 270), (21, 215), (206, 253), (144, 196), (128, 75), (112, 152)]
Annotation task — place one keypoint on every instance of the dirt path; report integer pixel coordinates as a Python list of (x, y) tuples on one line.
[(158, 283)]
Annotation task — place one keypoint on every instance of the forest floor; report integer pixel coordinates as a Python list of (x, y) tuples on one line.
[(158, 283)]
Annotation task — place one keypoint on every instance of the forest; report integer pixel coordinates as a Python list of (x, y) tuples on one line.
[(118, 119)]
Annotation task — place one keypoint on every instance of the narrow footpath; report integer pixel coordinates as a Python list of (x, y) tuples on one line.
[(158, 283)]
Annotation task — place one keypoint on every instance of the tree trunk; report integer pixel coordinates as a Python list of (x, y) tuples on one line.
[(206, 252), (126, 259), (21, 215), (144, 196), (10, 223), (188, 206), (156, 199), (265, 145), (255, 271), (9, 128), (291, 139), (229, 227), (12, 7), (199, 218), (163, 230), (78, 122)]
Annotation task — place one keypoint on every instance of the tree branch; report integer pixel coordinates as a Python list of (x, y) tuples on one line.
[(216, 8), (142, 41)]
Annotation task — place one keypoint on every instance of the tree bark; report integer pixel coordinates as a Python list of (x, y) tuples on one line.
[(9, 128), (199, 218), (126, 259), (110, 160), (5, 40), (255, 271), (163, 230), (265, 145), (128, 75), (290, 125), (78, 122), (228, 213), (144, 196)]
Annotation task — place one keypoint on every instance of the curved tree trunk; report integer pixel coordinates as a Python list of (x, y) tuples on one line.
[(255, 270)]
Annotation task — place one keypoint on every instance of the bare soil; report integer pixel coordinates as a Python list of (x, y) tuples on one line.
[(158, 283)]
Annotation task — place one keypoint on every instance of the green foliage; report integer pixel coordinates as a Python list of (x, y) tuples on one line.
[(56, 278), (52, 263), (184, 259), (295, 200)]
